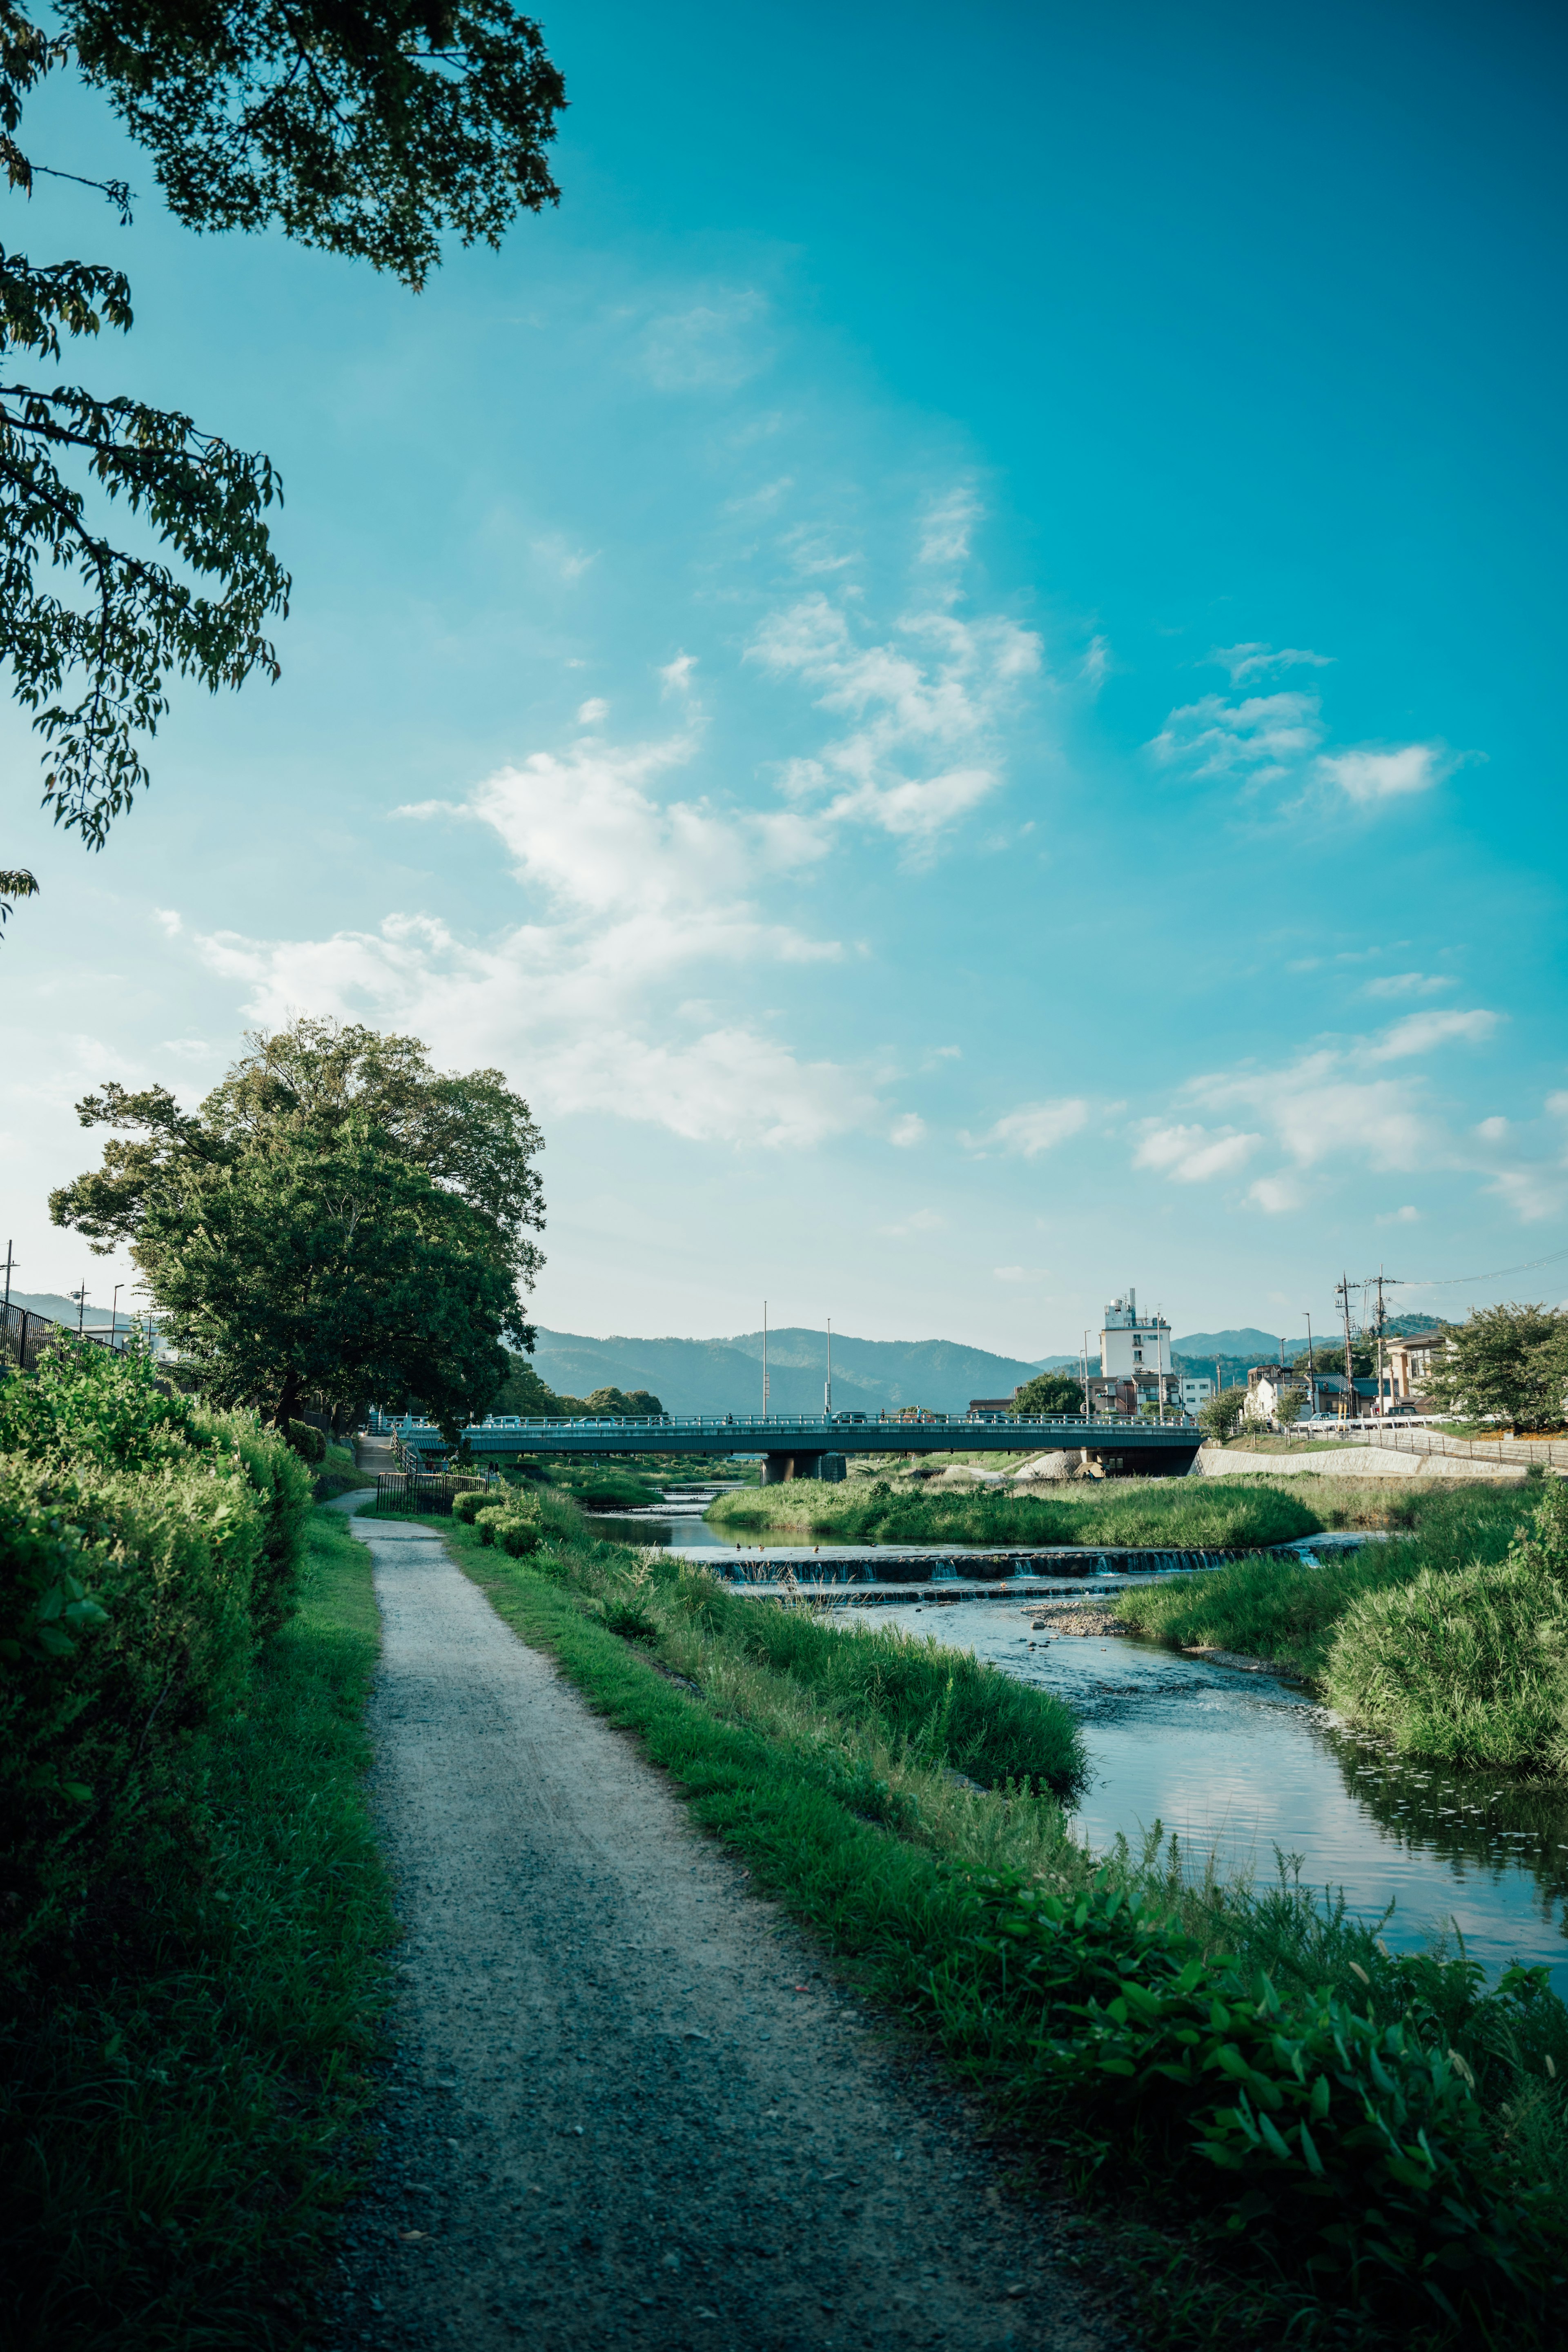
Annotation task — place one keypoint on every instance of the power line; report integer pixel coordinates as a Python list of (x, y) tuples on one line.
[(1453, 1281)]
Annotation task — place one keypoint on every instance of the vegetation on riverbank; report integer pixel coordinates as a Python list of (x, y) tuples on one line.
[(196, 1913), (1278, 1607), (1262, 2069), (1468, 1664), (1160, 1514)]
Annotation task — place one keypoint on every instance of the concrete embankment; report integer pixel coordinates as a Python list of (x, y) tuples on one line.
[(1353, 1461)]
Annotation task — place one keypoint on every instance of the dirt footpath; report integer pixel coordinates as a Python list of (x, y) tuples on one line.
[(627, 2107)]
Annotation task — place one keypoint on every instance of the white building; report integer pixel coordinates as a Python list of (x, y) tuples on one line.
[(1135, 1354), (1132, 1345), (1195, 1391)]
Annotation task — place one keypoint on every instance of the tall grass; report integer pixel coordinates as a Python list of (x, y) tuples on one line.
[(1165, 1514), (1469, 1666), (1280, 1608), (181, 2101)]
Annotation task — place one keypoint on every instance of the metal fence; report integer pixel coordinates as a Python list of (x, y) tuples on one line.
[(426, 1492), (24, 1334)]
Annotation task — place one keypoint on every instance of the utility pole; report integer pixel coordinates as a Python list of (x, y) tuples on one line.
[(764, 1360), (1086, 1411), (1380, 1278), (9, 1262), (1311, 1369), (1342, 1293), (81, 1297), (827, 1392)]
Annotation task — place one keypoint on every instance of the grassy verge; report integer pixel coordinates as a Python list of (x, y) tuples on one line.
[(1275, 1607), (1174, 1514), (339, 1474), (181, 2112), (976, 1917)]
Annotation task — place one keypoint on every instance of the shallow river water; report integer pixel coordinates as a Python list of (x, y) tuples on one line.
[(1243, 1765)]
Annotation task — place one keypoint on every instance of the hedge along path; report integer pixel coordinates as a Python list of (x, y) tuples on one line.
[(626, 2104)]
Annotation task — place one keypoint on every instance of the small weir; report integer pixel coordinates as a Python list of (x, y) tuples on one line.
[(873, 1576)]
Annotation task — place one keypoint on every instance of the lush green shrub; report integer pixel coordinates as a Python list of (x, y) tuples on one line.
[(1468, 1664), (144, 1552), (1332, 2143), (309, 1441)]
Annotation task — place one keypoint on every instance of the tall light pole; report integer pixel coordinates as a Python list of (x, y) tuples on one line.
[(114, 1315), (764, 1360), (1311, 1369), (827, 1392)]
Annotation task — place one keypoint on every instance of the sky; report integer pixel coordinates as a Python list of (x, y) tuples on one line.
[(954, 666)]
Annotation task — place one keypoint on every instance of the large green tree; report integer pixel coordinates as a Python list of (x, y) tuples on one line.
[(1506, 1363), (338, 1219), (373, 127), (1048, 1397)]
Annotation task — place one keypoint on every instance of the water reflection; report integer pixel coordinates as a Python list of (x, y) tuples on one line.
[(1242, 1764)]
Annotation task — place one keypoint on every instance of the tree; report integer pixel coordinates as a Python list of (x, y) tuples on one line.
[(328, 1222), (1506, 1363), (1222, 1416), (1328, 1357), (1289, 1404), (369, 127), (1048, 1397), (614, 1404)]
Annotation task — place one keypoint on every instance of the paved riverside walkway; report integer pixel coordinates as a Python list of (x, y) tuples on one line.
[(629, 2106)]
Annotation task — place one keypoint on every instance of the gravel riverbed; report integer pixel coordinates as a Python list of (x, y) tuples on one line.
[(628, 2103)]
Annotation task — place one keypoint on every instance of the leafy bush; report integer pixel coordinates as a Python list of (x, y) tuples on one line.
[(308, 1443), (1329, 2142), (144, 1552)]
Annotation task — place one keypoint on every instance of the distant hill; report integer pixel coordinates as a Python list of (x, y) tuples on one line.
[(711, 1376)]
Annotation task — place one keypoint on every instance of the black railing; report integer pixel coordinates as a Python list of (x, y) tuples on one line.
[(428, 1492)]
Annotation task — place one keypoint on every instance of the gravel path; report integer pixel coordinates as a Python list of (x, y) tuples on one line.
[(627, 2104)]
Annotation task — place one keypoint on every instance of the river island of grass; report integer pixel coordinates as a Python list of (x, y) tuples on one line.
[(1158, 1514)]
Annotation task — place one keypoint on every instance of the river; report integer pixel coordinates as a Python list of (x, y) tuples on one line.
[(1246, 1767)]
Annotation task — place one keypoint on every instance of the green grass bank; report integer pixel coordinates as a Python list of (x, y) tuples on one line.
[(1176, 1514), (1240, 2076), (195, 1914)]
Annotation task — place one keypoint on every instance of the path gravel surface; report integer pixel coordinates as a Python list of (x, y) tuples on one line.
[(628, 2104)]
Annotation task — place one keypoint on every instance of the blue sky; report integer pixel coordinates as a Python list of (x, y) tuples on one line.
[(955, 667)]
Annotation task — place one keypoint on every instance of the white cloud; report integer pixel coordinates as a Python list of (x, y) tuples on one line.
[(1262, 738), (924, 706), (1096, 666), (1407, 983), (1035, 1127), (1020, 1274), (714, 344), (1254, 660), (1418, 1033), (1192, 1154), (168, 921), (945, 528), (1408, 1215), (920, 1221), (569, 562), (1277, 1196), (1366, 774), (908, 1131), (590, 713)]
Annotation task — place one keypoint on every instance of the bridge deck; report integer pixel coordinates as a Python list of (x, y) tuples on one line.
[(804, 1435)]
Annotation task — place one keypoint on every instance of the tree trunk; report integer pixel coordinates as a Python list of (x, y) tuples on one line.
[(288, 1407)]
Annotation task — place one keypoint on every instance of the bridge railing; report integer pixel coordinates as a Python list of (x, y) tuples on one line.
[(1072, 1426)]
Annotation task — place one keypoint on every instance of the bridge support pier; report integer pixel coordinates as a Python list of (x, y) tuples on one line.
[(777, 1467)]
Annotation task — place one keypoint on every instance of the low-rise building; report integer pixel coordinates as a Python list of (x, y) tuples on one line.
[(1134, 1361), (1195, 1391)]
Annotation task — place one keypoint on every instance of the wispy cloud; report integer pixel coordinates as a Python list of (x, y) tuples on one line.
[(1247, 662), (1407, 983), (1263, 738), (1034, 1127), (1190, 1154), (924, 703), (1367, 774), (1418, 1033), (714, 344)]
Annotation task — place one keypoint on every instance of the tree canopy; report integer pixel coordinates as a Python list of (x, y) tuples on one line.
[(1048, 1396), (373, 127), (338, 1218), (1506, 1363)]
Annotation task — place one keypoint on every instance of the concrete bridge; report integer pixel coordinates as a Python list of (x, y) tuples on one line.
[(799, 1446)]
